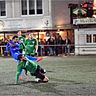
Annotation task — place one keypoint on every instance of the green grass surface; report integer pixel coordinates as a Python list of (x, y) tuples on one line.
[(69, 76)]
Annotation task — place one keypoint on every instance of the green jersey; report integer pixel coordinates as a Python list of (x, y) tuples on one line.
[(31, 66), (22, 42), (28, 64), (30, 46)]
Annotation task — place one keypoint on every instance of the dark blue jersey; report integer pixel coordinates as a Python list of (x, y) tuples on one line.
[(13, 48)]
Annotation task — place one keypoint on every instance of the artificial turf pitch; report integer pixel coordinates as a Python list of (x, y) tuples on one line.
[(69, 76)]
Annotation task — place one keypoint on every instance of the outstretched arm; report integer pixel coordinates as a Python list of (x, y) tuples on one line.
[(36, 47), (34, 58), (18, 72)]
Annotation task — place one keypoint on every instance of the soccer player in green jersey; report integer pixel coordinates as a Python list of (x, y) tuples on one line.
[(21, 41), (22, 47), (32, 67), (31, 45)]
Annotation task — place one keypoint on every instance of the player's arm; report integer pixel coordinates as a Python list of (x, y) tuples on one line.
[(18, 71), (34, 58), (36, 46), (31, 58)]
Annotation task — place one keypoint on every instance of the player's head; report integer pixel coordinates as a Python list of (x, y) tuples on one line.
[(29, 35), (19, 33), (15, 38), (21, 57), (32, 35)]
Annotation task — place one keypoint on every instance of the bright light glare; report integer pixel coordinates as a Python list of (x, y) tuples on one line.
[(94, 7), (94, 16)]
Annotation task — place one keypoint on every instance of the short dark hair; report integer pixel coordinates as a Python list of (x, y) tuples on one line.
[(14, 37), (23, 36), (20, 56)]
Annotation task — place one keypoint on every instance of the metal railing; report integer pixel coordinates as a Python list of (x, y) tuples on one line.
[(56, 50), (48, 50)]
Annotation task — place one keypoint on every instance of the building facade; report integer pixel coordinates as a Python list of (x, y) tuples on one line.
[(85, 36), (41, 16), (85, 33), (36, 15), (25, 14)]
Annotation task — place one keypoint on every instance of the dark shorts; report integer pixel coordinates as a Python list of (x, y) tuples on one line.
[(39, 73)]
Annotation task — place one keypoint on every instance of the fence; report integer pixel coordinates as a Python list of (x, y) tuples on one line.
[(49, 50), (55, 50)]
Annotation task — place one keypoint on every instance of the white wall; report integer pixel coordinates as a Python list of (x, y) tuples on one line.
[(17, 9), (14, 24), (9, 8), (81, 46)]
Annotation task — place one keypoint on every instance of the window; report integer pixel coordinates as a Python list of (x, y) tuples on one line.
[(31, 7), (91, 38), (39, 6), (24, 7), (88, 38), (2, 8), (94, 38)]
